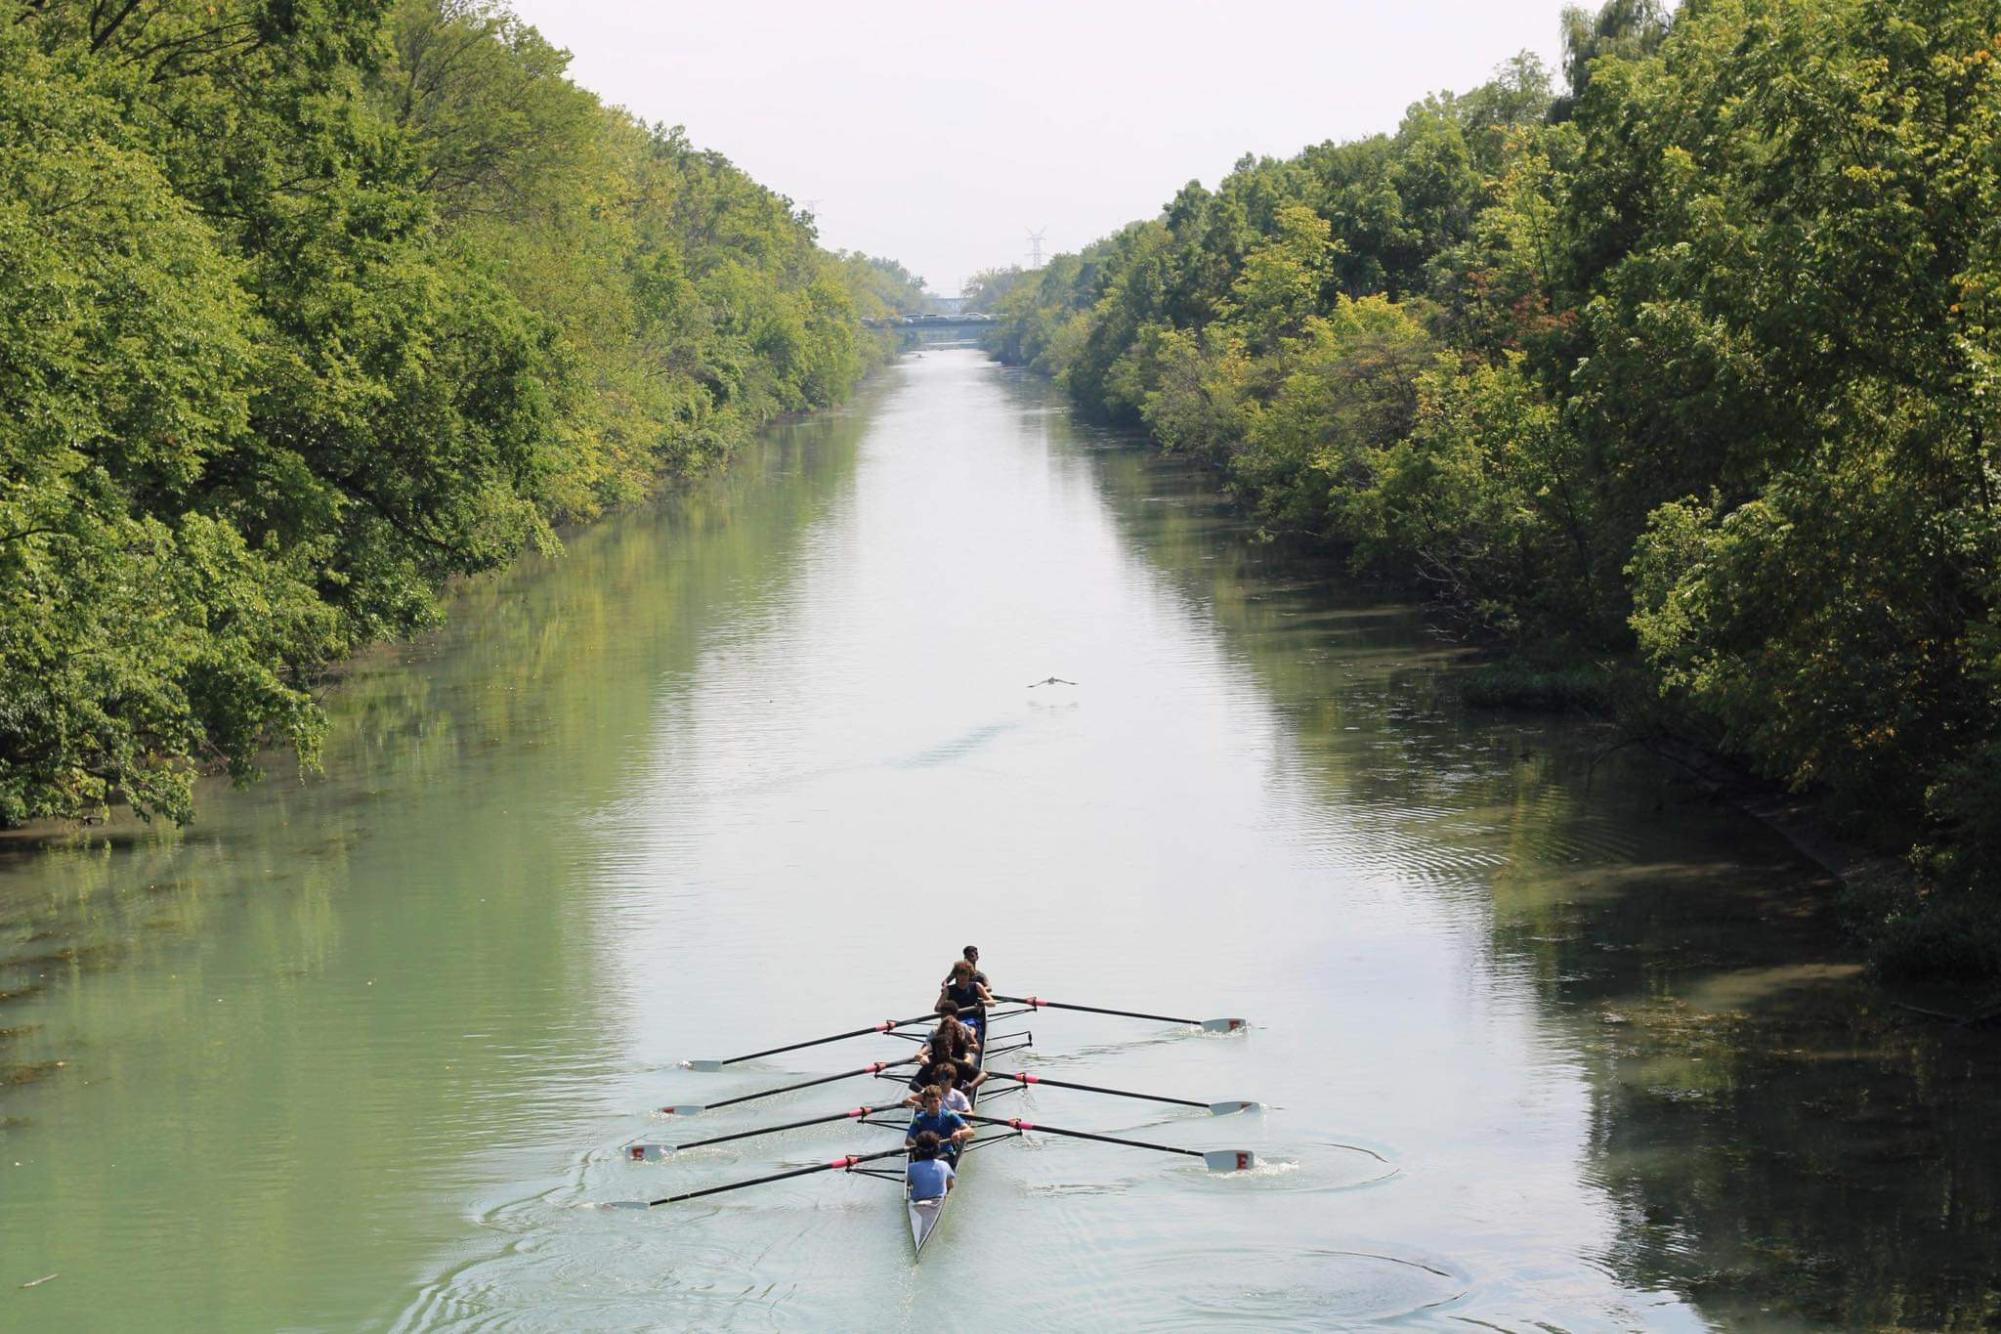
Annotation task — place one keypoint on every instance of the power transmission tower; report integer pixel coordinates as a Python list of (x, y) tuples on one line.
[(1035, 248)]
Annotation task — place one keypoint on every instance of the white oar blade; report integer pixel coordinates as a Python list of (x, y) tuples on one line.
[(1224, 1025), (648, 1153), (684, 1109), (640, 1205), (1230, 1160), (703, 1067), (1227, 1108)]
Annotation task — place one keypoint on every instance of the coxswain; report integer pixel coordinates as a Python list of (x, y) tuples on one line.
[(951, 1128), (930, 1176)]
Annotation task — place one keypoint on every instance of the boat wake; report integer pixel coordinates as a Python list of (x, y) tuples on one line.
[(1319, 1288)]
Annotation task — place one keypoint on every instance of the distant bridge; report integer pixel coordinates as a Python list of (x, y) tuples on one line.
[(923, 323)]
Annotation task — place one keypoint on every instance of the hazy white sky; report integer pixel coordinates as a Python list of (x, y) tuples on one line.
[(938, 133)]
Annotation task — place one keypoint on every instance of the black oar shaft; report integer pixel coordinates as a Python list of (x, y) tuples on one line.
[(1036, 1002), (868, 1069), (853, 1113), (837, 1165), (1083, 1134), (884, 1027), (1093, 1088)]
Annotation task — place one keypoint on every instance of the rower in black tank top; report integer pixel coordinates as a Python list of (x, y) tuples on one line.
[(963, 990)]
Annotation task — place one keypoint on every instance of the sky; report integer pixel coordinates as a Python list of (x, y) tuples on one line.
[(939, 134)]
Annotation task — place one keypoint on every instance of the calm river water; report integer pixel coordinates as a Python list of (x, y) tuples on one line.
[(1547, 1041)]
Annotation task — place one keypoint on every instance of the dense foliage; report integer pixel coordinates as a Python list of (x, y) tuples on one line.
[(1693, 363), (307, 306)]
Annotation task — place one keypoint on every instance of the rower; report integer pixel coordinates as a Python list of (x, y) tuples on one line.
[(945, 1074), (971, 954), (953, 1041), (963, 988), (951, 1129), (929, 1176)]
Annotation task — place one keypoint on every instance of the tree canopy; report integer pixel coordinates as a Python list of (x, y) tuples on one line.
[(1691, 362), (308, 307)]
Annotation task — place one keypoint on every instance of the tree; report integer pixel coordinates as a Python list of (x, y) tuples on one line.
[(1625, 29), (307, 308)]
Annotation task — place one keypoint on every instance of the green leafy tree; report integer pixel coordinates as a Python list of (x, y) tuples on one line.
[(1280, 286)]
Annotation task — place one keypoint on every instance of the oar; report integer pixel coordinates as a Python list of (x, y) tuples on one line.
[(886, 1026), (653, 1153), (1211, 1025), (837, 1165), (696, 1109), (1216, 1160), (1215, 1108)]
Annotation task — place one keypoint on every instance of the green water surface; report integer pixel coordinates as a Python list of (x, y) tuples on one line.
[(1547, 1040)]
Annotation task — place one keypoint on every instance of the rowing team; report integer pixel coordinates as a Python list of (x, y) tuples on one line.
[(948, 1072)]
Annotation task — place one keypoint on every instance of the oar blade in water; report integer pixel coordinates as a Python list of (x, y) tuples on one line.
[(1230, 1160), (648, 1153), (1224, 1025), (702, 1067), (1227, 1108)]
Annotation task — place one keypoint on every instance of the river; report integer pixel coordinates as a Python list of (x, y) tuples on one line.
[(1547, 1040)]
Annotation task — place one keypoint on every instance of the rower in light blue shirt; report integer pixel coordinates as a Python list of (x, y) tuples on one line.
[(929, 1175)]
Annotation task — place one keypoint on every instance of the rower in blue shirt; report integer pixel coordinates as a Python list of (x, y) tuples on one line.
[(951, 1129), (930, 1176)]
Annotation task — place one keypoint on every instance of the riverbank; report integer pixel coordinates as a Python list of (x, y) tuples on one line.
[(1929, 959), (1952, 962), (82, 903)]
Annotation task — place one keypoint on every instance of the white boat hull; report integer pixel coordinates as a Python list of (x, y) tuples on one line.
[(924, 1216)]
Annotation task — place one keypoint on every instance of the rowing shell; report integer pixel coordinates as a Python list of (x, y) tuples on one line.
[(926, 1215)]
